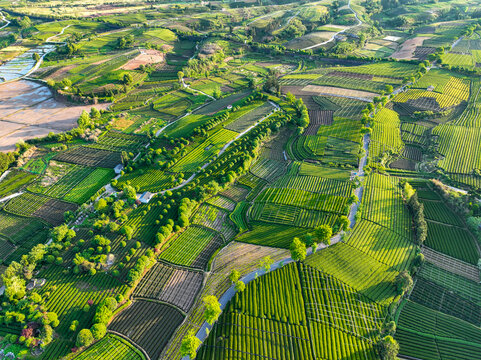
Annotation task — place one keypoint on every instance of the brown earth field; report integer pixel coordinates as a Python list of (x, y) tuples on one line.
[(28, 110), (406, 50), (146, 57)]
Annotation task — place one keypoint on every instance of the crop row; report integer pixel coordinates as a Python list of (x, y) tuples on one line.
[(204, 151), (440, 212), (250, 118), (358, 270), (111, 347), (445, 300), (459, 146), (331, 302), (186, 248), (89, 156), (67, 296), (386, 208), (222, 202), (315, 184), (452, 241), (451, 264), (18, 229), (116, 141), (471, 115), (389, 69), (151, 179), (466, 288), (268, 169), (382, 244), (290, 215), (26, 204), (149, 324), (14, 180), (67, 182), (303, 199), (239, 336), (426, 347), (170, 284), (386, 132), (89, 185)]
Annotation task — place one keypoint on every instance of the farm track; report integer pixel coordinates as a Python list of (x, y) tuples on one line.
[(4, 19), (359, 23), (226, 146)]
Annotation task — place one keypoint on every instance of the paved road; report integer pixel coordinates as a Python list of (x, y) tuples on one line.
[(229, 294)]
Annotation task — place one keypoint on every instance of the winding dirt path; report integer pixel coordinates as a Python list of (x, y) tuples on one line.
[(359, 23)]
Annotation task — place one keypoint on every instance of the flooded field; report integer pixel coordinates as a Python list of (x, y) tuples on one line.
[(23, 64), (28, 110)]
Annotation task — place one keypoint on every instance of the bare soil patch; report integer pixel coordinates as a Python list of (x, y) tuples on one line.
[(334, 91), (28, 110), (146, 57), (59, 74), (406, 51)]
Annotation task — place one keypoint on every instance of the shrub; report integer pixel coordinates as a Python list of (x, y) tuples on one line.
[(98, 331), (84, 338)]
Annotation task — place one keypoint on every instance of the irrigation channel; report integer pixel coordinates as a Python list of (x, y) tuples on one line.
[(359, 23)]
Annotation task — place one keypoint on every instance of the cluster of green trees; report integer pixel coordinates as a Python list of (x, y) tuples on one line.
[(186, 208), (417, 212), (141, 266), (27, 309), (202, 67), (103, 314), (301, 110)]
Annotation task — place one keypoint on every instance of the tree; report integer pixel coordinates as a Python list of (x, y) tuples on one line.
[(14, 287), (212, 309), (127, 79), (389, 88), (234, 276), (189, 345), (389, 328), (323, 234), (101, 205), (266, 263), (61, 232), (98, 331), (217, 93), (408, 191), (84, 120), (389, 348), (84, 338), (240, 286), (129, 192), (291, 99), (403, 282), (419, 259), (343, 222), (180, 75), (298, 250), (94, 113), (36, 57), (73, 325), (128, 231)]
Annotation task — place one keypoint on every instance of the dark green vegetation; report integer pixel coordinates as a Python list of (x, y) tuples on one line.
[(230, 134)]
